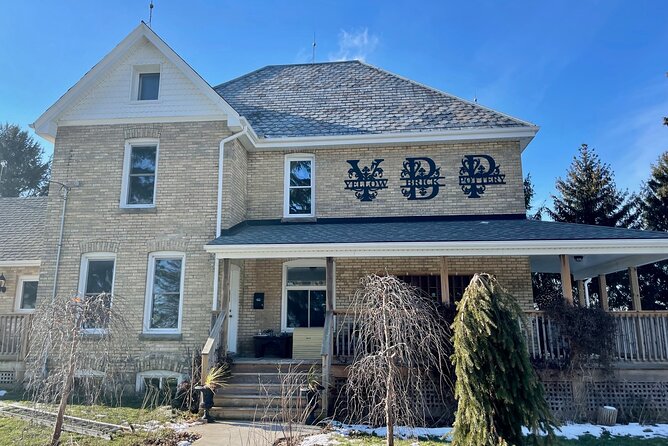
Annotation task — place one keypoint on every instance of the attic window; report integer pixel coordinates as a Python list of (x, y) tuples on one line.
[(145, 82), (148, 86)]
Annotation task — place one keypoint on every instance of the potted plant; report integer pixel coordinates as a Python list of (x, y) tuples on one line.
[(215, 379)]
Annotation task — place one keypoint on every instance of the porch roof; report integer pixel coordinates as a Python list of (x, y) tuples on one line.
[(606, 248)]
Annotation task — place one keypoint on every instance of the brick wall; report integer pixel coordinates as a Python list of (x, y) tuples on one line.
[(266, 170), (235, 196), (266, 275), (182, 220)]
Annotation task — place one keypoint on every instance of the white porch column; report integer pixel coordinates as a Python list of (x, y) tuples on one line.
[(603, 292), (566, 285), (635, 288), (225, 298)]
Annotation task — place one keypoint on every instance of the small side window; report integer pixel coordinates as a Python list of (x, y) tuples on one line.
[(26, 296), (149, 85), (139, 174), (299, 191)]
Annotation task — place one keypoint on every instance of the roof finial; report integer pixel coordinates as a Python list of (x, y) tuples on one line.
[(314, 44), (150, 13)]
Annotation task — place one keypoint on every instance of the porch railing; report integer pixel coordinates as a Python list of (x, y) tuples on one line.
[(640, 337), (212, 347), (14, 330)]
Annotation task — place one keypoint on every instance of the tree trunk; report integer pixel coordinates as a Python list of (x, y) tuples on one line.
[(389, 392), (67, 388)]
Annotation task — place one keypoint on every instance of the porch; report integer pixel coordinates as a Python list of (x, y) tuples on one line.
[(14, 328)]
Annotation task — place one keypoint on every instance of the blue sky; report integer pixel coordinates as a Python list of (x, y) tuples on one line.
[(584, 71)]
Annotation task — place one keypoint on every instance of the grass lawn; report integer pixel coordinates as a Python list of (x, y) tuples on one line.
[(16, 432), (365, 440)]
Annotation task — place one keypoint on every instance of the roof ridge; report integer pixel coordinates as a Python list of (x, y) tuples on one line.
[(450, 95)]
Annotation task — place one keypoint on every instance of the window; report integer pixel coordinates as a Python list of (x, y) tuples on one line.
[(145, 83), (149, 84), (158, 379), (305, 295), (164, 295), (26, 294), (431, 285), (139, 174), (299, 190), (96, 284)]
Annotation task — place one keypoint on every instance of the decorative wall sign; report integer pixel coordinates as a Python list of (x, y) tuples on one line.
[(419, 179), (367, 180), (477, 172)]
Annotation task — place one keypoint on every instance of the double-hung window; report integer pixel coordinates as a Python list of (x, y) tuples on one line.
[(26, 294), (164, 296), (96, 287), (140, 171), (299, 190), (305, 296)]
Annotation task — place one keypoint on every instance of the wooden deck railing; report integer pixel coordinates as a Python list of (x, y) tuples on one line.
[(212, 345), (14, 330), (640, 336)]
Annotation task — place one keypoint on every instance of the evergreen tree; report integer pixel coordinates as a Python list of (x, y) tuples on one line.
[(25, 173), (497, 389), (529, 193), (589, 195), (654, 278)]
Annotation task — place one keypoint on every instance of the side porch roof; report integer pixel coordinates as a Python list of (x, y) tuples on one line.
[(603, 249)]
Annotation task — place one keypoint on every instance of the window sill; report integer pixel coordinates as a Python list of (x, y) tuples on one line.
[(160, 337), (299, 220), (138, 210)]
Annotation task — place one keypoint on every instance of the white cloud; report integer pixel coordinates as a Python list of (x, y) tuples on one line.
[(355, 45)]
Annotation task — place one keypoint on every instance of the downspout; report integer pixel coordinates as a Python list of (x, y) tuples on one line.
[(586, 287), (66, 190), (219, 204)]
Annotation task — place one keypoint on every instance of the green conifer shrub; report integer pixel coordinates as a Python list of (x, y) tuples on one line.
[(497, 389)]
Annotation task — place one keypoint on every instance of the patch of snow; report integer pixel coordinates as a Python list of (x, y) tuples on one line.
[(184, 443), (568, 431), (319, 440), (3, 392)]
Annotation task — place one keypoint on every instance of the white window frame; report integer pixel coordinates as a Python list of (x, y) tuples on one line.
[(287, 187), (144, 69), (83, 277), (161, 374), (19, 293), (148, 299), (318, 263), (125, 185)]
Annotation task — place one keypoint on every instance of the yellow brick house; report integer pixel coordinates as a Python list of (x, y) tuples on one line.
[(238, 219)]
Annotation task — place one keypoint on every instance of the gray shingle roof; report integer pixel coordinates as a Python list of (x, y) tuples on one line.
[(420, 230), (22, 228), (348, 98)]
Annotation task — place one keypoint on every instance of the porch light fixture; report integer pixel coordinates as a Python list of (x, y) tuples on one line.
[(3, 281), (578, 258)]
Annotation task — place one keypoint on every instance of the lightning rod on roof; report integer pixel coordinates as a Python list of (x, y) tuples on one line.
[(150, 13), (313, 60)]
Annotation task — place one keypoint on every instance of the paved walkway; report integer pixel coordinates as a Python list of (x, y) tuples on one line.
[(240, 433)]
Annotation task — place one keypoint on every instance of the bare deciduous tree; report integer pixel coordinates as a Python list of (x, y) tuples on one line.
[(77, 338), (401, 351)]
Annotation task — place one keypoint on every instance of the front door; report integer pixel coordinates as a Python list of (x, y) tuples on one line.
[(233, 315)]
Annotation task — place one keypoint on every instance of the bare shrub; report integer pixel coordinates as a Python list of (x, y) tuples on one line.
[(401, 349)]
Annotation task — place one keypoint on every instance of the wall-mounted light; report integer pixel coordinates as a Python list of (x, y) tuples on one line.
[(578, 258), (3, 281)]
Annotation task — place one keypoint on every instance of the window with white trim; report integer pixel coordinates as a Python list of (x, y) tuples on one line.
[(299, 190), (96, 285), (26, 294), (158, 379), (305, 295), (145, 82), (140, 170), (164, 292)]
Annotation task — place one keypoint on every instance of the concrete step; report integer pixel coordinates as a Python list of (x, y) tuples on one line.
[(258, 401), (250, 389), (246, 413), (265, 378), (263, 366)]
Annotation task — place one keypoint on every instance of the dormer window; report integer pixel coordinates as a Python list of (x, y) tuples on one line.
[(148, 86), (146, 83)]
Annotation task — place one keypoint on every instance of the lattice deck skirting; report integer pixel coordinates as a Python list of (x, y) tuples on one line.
[(7, 377)]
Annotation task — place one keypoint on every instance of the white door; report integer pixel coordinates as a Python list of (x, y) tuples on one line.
[(233, 315)]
